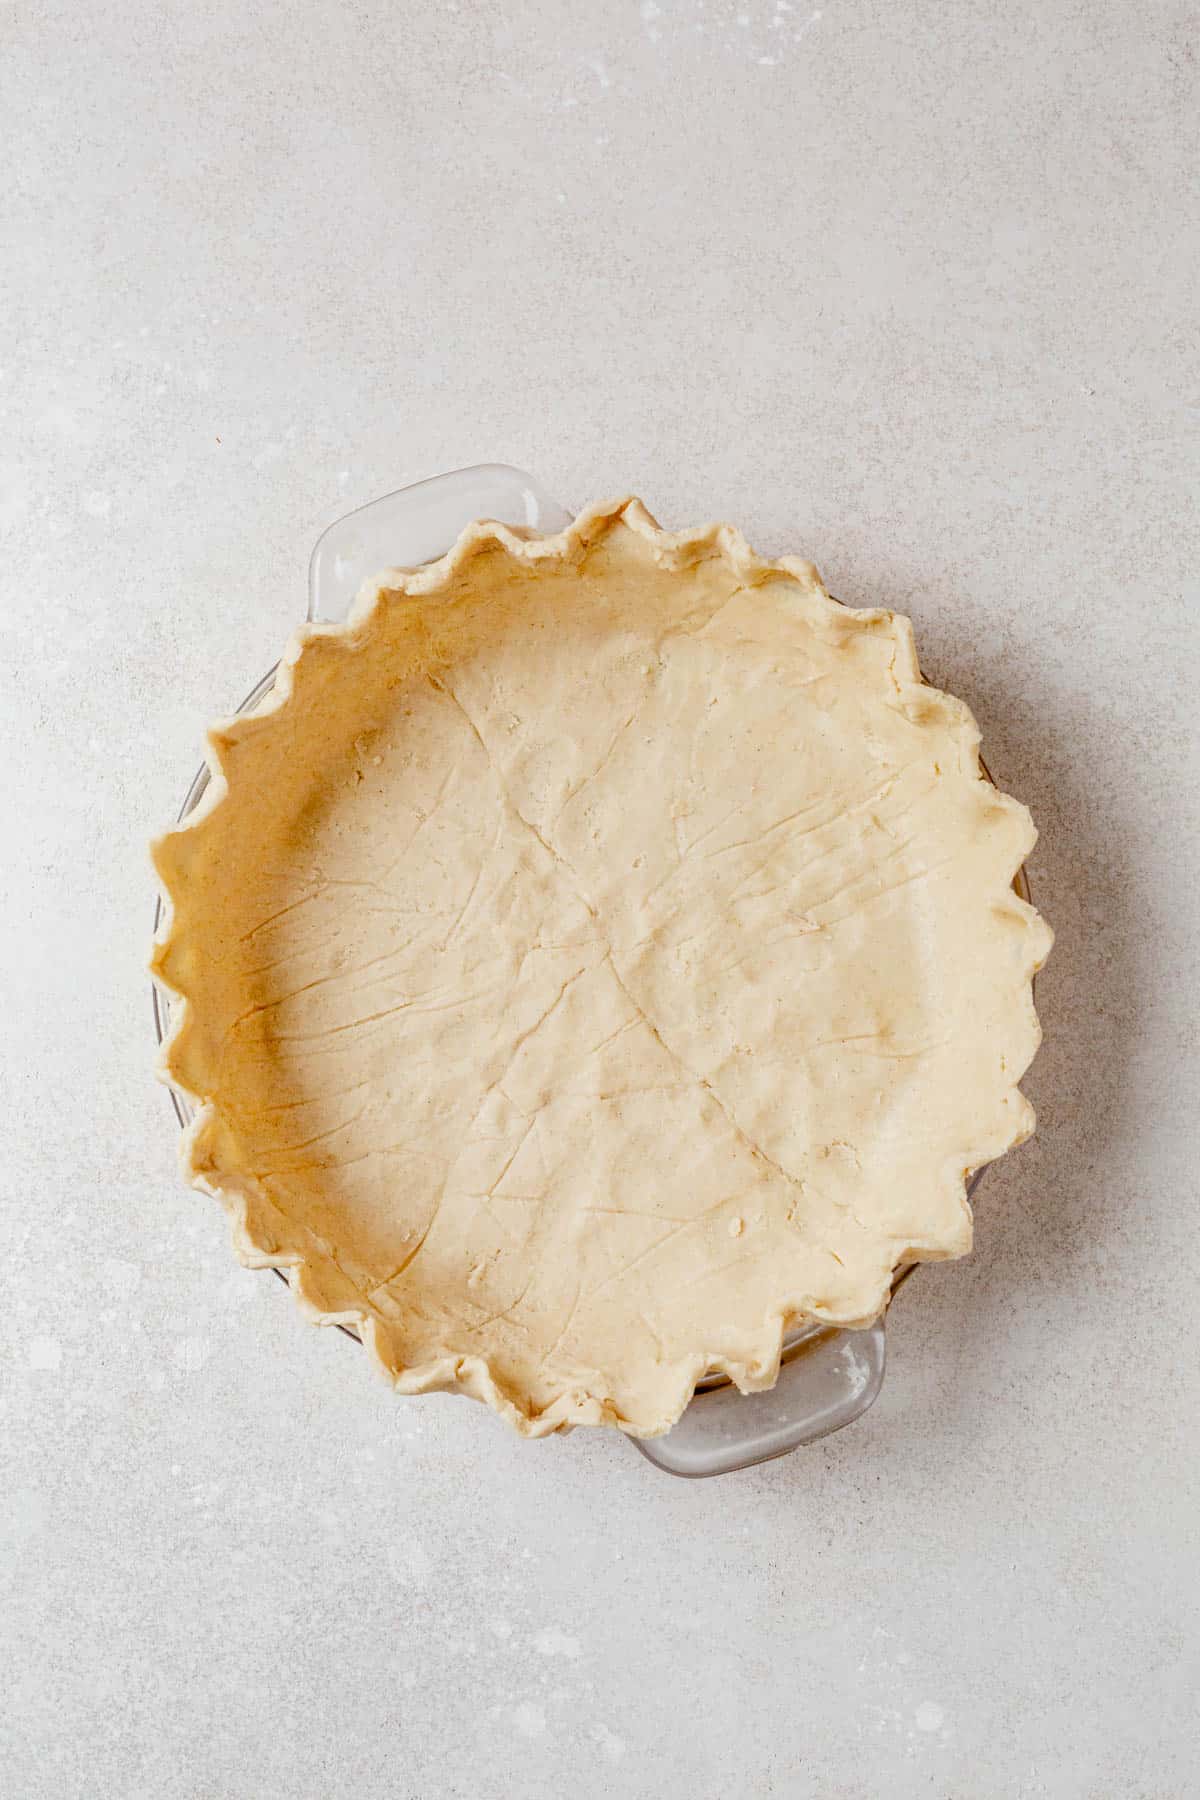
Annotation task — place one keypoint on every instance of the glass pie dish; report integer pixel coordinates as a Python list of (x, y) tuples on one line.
[(828, 1377)]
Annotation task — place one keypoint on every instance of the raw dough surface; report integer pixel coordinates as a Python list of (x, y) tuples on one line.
[(598, 955)]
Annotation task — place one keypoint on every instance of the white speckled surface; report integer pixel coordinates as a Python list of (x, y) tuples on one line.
[(908, 288)]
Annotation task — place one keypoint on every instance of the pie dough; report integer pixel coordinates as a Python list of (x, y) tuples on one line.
[(597, 957)]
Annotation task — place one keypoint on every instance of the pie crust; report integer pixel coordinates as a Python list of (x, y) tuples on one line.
[(596, 958)]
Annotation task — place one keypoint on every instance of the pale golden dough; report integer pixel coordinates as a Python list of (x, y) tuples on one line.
[(598, 955)]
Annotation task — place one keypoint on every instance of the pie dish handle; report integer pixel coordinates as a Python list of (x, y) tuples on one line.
[(415, 524), (826, 1380)]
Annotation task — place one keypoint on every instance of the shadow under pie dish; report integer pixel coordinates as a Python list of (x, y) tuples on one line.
[(597, 958)]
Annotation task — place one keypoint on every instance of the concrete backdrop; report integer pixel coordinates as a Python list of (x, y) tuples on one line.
[(907, 288)]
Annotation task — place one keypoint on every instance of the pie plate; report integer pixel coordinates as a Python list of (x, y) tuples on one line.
[(828, 1377)]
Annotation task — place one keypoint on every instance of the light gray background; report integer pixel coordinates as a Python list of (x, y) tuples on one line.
[(908, 288)]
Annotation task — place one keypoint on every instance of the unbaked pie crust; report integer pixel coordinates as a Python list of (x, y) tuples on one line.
[(594, 959)]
